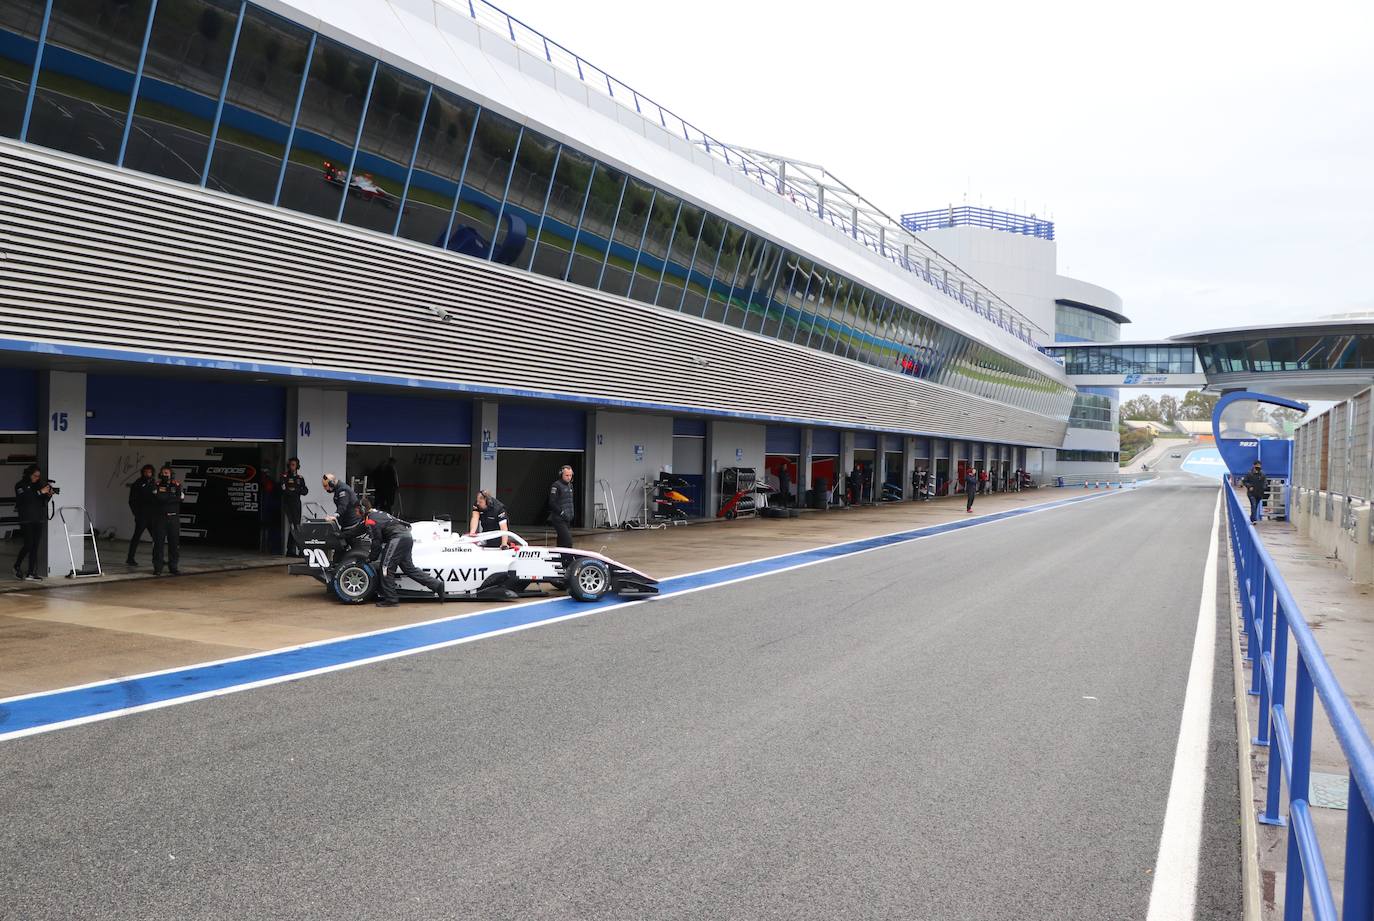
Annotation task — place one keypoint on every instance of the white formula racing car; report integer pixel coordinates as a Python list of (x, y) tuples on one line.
[(467, 568)]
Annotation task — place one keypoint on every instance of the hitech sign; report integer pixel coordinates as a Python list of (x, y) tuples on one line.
[(1145, 380)]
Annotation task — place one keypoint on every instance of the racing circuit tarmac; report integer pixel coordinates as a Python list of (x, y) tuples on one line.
[(979, 724)]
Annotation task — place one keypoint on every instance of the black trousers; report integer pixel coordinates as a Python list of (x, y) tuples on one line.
[(32, 532), (1255, 507), (142, 525), (397, 554), (972, 494), (166, 540), (292, 508), (560, 525)]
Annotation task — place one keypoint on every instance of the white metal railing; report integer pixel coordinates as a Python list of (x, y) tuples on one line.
[(861, 221)]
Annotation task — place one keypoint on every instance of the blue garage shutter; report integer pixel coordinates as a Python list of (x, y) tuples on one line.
[(393, 418), (923, 448), (783, 439), (18, 401), (892, 442), (693, 427), (866, 441), (531, 425), (168, 407), (825, 441)]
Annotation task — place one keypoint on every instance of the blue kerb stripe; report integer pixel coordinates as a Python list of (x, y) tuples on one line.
[(61, 706)]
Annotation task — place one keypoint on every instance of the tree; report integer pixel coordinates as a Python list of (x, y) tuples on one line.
[(1197, 406), (1168, 409), (1142, 408)]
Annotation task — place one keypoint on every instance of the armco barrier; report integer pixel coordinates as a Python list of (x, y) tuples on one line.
[(1271, 616)]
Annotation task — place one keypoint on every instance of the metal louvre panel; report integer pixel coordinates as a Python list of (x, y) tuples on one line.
[(1360, 447), (104, 258)]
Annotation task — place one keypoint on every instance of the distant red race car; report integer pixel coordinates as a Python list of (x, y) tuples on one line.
[(361, 184)]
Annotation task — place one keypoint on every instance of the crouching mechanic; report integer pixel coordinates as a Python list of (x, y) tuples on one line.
[(392, 543)]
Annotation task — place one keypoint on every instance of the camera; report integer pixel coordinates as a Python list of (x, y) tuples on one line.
[(53, 486)]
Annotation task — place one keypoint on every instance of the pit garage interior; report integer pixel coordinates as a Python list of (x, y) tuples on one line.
[(228, 436)]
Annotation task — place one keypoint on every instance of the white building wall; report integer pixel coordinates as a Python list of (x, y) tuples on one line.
[(628, 448), (1018, 268)]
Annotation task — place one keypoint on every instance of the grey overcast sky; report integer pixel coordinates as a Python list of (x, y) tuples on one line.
[(1211, 162)]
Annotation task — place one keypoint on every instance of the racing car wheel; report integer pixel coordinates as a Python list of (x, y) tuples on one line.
[(355, 581), (589, 580)]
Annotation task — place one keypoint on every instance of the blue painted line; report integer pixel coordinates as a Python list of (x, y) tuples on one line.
[(24, 715)]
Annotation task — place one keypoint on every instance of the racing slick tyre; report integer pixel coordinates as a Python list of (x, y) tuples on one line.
[(355, 581), (589, 580)]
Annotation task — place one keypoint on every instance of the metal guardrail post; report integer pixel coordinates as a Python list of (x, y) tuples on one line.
[(1359, 856)]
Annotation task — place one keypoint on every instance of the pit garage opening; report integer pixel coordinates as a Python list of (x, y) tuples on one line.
[(431, 442)]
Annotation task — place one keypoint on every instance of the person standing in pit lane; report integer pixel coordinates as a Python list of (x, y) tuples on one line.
[(167, 498), (393, 544), (561, 506), (970, 486), (141, 492), (293, 488), (1255, 483), (31, 495)]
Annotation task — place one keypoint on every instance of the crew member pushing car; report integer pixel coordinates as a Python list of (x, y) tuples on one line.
[(293, 487), (488, 515), (393, 543), (167, 498)]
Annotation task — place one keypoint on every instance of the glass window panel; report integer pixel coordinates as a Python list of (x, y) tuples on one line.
[(757, 253), (88, 74), (438, 165), (750, 292), (326, 129), (822, 302), (774, 303), (263, 80), (722, 276), (799, 315), (188, 52), (569, 192), (635, 205), (689, 224), (20, 22), (729, 281), (653, 255), (529, 187), (379, 174), (603, 204), (704, 264), (484, 185)]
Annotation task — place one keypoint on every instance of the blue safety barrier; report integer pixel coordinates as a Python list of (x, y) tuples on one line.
[(1271, 617)]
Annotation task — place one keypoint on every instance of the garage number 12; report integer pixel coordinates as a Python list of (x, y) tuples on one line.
[(317, 559)]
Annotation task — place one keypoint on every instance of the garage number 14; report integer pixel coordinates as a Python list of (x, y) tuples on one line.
[(317, 559)]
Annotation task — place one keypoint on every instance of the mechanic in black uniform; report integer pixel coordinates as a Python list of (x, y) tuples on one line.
[(292, 486), (345, 501), (167, 498), (489, 514), (561, 506), (1255, 483), (31, 496), (392, 543), (970, 485), (141, 504)]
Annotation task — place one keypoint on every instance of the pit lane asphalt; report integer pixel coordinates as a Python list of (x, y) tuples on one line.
[(976, 725)]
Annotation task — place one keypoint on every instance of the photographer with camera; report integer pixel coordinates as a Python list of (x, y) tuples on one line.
[(31, 497), (166, 518)]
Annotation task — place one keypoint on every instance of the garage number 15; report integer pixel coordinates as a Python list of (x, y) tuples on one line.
[(317, 559)]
